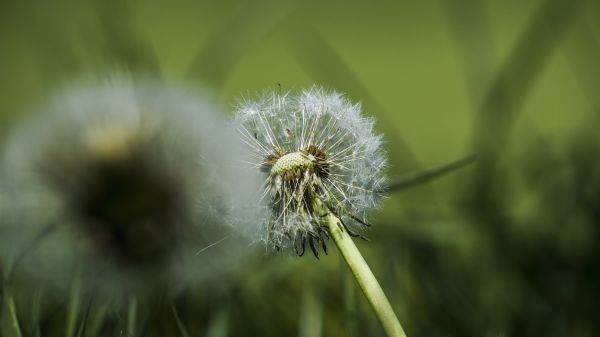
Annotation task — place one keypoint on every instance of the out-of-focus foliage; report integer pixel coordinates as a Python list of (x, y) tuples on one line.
[(507, 246)]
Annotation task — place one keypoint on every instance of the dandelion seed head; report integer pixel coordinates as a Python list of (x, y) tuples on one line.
[(132, 173), (315, 145)]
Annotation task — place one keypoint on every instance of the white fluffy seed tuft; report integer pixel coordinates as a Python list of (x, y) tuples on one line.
[(316, 144), (159, 159)]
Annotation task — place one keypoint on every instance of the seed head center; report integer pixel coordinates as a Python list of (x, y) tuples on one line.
[(293, 161)]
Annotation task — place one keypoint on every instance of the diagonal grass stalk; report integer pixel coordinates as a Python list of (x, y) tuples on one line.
[(132, 317), (180, 326), (364, 276), (13, 315), (424, 176)]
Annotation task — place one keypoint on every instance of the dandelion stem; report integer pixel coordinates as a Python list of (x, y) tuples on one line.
[(364, 276)]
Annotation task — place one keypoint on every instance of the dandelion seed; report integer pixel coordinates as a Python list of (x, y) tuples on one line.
[(314, 147), (212, 245)]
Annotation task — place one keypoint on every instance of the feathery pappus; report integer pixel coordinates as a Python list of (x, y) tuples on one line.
[(127, 177), (318, 154)]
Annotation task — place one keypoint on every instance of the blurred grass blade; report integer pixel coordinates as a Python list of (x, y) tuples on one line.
[(35, 241), (516, 77), (503, 101), (36, 311), (218, 324), (13, 315), (97, 320), (422, 177), (583, 53), (311, 314), (123, 44), (84, 320), (322, 62), (132, 317), (74, 305), (247, 27), (350, 314), (471, 30), (182, 330)]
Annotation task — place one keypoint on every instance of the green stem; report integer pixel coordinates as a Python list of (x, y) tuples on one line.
[(132, 317), (12, 309), (364, 276)]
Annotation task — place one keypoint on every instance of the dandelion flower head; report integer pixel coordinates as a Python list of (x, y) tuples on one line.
[(318, 154), (128, 174)]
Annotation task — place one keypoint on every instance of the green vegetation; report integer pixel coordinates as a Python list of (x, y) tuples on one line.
[(508, 245)]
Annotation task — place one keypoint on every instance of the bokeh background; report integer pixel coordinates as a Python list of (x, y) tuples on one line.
[(507, 246)]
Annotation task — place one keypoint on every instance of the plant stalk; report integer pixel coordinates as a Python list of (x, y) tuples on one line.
[(364, 276)]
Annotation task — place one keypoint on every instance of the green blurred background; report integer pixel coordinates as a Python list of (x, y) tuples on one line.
[(505, 247)]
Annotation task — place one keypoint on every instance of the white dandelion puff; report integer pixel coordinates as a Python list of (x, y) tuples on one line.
[(316, 147), (322, 166), (133, 176)]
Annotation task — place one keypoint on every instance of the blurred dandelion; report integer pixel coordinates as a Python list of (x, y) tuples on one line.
[(125, 179), (323, 169)]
